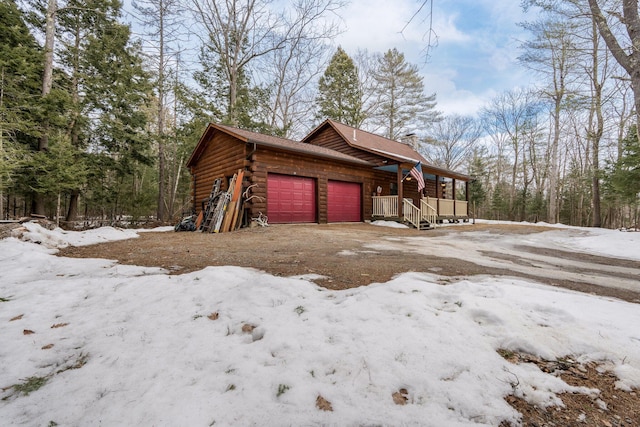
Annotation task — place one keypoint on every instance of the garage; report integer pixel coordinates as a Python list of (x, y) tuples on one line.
[(290, 199), (344, 200)]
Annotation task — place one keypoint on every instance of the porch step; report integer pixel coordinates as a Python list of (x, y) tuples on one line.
[(426, 225)]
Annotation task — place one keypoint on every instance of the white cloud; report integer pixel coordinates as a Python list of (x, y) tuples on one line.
[(476, 55), (375, 25), (447, 31), (452, 99)]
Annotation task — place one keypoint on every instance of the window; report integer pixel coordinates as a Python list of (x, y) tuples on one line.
[(393, 188)]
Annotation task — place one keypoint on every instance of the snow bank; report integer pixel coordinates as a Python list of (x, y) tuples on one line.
[(126, 345), (59, 238), (390, 224), (601, 241), (598, 241)]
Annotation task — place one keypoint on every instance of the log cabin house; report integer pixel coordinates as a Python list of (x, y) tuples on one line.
[(337, 173)]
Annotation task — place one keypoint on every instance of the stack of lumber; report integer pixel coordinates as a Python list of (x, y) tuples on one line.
[(224, 208)]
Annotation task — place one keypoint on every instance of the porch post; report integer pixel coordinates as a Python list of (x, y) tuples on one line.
[(438, 191), (466, 190), (453, 194), (400, 192)]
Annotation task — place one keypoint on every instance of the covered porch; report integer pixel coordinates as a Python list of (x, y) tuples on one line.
[(428, 211), (445, 197)]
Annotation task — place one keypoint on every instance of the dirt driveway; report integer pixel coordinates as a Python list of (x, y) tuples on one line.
[(350, 255)]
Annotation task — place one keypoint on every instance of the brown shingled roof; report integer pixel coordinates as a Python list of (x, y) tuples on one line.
[(377, 144), (384, 147), (275, 142)]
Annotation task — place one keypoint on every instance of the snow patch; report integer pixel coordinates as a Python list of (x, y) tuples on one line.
[(390, 224)]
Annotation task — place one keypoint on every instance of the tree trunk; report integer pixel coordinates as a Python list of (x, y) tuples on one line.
[(47, 82), (553, 172), (58, 211), (161, 155), (72, 212), (630, 62)]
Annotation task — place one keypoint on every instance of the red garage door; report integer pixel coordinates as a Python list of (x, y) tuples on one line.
[(344, 202), (290, 199)]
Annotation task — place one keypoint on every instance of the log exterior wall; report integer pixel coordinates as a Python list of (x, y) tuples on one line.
[(329, 138), (265, 161), (221, 158)]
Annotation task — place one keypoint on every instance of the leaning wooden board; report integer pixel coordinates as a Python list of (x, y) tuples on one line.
[(225, 219), (222, 207), (219, 212), (233, 204), (199, 220)]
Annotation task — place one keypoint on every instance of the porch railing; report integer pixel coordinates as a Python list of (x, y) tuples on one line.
[(430, 208), (445, 207), (462, 208), (411, 213), (385, 206), (428, 212)]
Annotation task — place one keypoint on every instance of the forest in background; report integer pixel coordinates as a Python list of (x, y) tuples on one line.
[(97, 122)]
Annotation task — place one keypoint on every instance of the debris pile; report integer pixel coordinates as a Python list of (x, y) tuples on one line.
[(224, 209)]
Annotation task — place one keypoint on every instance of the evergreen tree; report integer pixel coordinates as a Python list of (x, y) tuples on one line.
[(402, 105), (80, 23), (20, 75), (625, 178), (109, 88), (248, 109), (477, 192), (339, 93), (20, 81), (121, 96), (499, 202), (57, 170)]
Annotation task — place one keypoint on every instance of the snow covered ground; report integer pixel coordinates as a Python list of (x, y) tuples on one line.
[(93, 342)]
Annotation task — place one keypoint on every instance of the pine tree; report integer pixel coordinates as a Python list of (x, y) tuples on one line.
[(339, 95), (626, 174), (478, 170), (247, 111), (402, 105), (58, 169), (20, 80), (108, 87), (81, 22)]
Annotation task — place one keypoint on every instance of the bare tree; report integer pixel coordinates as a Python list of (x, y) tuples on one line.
[(627, 56), (424, 14), (239, 32), (551, 53), (161, 17), (595, 128), (510, 120), (366, 64), (291, 69), (452, 140)]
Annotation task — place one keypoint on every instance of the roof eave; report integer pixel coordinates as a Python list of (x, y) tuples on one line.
[(323, 155), (205, 137)]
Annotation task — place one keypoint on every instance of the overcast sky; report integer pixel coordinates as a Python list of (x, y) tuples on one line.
[(477, 44)]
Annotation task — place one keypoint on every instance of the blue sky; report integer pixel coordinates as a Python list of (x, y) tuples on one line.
[(476, 55)]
